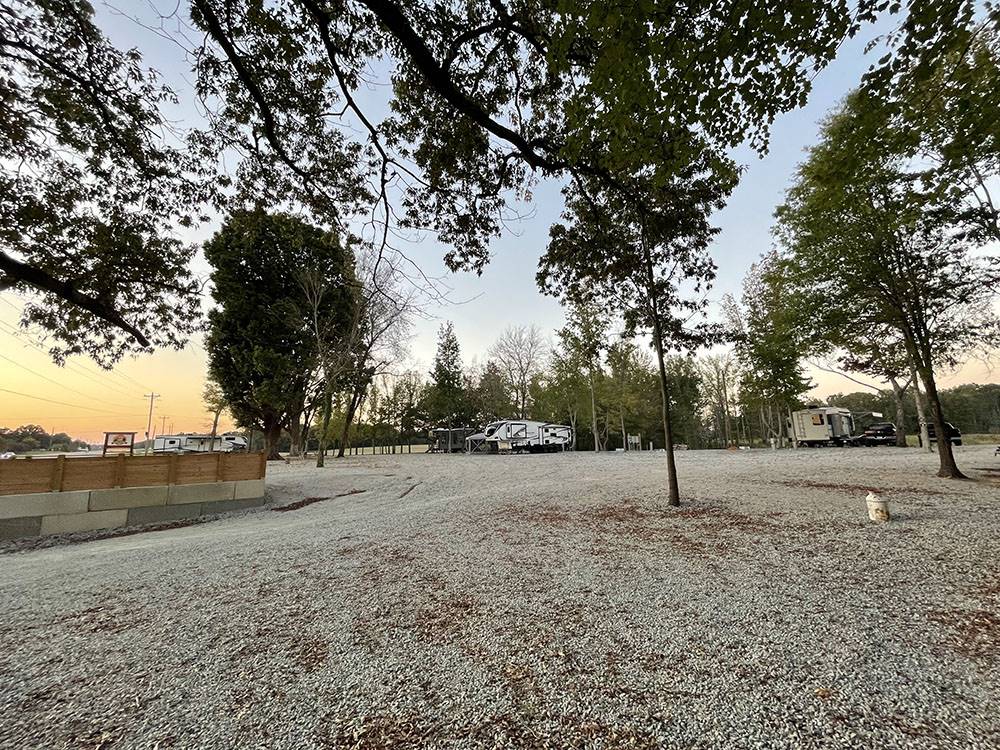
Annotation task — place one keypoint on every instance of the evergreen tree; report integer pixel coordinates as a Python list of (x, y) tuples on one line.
[(446, 403)]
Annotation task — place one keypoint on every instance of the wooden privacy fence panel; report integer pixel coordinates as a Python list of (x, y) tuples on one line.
[(22, 476)]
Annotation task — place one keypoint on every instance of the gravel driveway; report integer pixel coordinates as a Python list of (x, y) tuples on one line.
[(529, 601)]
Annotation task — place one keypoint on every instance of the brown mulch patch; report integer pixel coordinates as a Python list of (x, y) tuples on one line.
[(310, 500), (408, 490), (99, 620), (975, 633), (865, 488), (310, 653)]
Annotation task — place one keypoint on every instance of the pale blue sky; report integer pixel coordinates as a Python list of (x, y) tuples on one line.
[(506, 293)]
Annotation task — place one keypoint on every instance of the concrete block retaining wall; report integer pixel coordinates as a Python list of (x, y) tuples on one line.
[(41, 513)]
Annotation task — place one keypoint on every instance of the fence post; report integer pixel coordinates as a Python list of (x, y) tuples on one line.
[(57, 474), (218, 467), (263, 464), (119, 470)]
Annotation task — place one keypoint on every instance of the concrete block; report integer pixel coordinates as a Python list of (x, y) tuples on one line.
[(15, 528), (102, 519), (127, 497), (163, 513), (249, 488), (225, 506), (209, 492), (43, 504)]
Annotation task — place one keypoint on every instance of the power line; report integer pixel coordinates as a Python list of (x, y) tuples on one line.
[(56, 382), (110, 372), (74, 416), (61, 403), (76, 368)]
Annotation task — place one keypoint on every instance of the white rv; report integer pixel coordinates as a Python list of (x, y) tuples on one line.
[(519, 436), (195, 443), (821, 425)]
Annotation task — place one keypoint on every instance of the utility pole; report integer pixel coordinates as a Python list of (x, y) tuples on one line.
[(163, 424), (149, 424)]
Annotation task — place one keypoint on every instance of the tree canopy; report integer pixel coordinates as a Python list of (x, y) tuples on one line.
[(261, 345), (485, 98)]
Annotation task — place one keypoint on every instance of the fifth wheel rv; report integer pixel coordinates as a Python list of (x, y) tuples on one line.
[(520, 436)]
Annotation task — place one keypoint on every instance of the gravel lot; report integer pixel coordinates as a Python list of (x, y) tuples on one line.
[(528, 601)]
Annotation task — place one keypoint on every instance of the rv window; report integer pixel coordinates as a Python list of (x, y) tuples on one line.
[(817, 419), (518, 430)]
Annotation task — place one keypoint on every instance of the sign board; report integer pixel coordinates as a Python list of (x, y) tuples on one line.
[(119, 442)]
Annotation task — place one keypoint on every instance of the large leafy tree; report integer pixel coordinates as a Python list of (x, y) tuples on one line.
[(653, 268), (770, 344), (485, 98), (261, 344), (857, 224)]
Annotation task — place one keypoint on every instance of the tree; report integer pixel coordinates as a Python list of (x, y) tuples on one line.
[(643, 263), (629, 372), (583, 340), (492, 395), (215, 401), (520, 353), (769, 345), (446, 394), (484, 98), (261, 349), (385, 314), (719, 379), (91, 191), (857, 224)]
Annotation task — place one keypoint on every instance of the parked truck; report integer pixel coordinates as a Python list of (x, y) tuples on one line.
[(821, 425), (520, 436)]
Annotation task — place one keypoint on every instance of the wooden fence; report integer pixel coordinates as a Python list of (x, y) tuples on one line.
[(25, 475)]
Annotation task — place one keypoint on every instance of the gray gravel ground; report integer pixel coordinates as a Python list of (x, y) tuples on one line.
[(528, 601)]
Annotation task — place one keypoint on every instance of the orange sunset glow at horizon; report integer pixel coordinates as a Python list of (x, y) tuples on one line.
[(85, 401)]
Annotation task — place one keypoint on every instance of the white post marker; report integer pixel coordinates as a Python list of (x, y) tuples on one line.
[(878, 509)]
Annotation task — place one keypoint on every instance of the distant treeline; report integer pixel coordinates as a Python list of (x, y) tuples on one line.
[(31, 437)]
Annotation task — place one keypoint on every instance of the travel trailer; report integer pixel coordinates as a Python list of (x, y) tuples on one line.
[(195, 443), (821, 425), (520, 436)]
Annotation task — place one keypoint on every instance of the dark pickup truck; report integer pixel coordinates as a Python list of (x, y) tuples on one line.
[(954, 434), (880, 433)]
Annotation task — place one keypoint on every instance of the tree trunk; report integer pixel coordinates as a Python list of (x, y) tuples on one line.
[(621, 415), (673, 497), (898, 394), (272, 434), (946, 456), (352, 407), (324, 427), (295, 434), (918, 398), (673, 491), (593, 417), (725, 410), (215, 429)]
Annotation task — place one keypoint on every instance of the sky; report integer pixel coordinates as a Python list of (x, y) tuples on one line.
[(91, 401)]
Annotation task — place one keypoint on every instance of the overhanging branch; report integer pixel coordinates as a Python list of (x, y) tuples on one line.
[(16, 271)]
